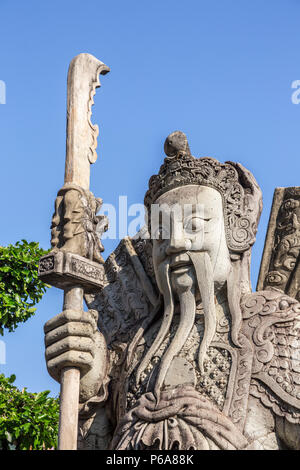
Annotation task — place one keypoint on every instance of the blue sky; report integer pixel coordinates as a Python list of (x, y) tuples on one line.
[(219, 70)]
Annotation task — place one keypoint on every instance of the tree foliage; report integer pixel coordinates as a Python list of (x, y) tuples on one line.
[(20, 287), (27, 420)]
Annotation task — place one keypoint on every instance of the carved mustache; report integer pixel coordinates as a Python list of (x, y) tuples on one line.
[(204, 275), (163, 281), (181, 260)]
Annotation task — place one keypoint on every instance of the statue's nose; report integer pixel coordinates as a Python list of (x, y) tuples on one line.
[(175, 245)]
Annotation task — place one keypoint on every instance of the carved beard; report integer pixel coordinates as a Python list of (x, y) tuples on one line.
[(204, 276)]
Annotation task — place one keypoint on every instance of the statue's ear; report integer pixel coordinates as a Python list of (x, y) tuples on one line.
[(129, 296)]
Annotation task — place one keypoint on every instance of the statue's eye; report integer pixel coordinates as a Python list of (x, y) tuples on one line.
[(161, 234), (194, 224)]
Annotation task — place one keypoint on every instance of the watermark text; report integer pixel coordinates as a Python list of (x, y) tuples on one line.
[(296, 95), (2, 92), (2, 352)]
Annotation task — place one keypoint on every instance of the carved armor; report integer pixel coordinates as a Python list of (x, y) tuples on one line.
[(266, 367)]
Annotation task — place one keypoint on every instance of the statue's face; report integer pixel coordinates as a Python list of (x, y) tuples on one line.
[(191, 221), (191, 262)]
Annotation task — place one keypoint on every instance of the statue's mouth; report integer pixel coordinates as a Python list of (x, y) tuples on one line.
[(180, 266), (180, 262)]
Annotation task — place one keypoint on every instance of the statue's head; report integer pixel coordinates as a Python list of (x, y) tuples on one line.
[(203, 217), (237, 187)]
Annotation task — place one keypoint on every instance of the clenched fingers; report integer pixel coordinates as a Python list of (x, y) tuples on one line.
[(68, 316), (70, 343), (77, 329), (82, 360)]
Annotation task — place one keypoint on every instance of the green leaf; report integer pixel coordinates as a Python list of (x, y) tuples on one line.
[(20, 287)]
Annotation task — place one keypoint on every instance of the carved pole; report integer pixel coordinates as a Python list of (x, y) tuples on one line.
[(83, 79), (70, 378)]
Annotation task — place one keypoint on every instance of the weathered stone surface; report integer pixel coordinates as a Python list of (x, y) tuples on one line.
[(280, 266), (83, 79), (62, 270), (75, 226), (74, 232), (190, 358)]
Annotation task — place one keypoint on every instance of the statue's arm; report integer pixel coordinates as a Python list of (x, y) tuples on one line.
[(288, 433), (72, 339)]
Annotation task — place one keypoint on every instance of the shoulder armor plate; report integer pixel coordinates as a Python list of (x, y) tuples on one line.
[(271, 321)]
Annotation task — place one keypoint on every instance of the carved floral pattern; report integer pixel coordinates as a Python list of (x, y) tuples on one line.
[(46, 264)]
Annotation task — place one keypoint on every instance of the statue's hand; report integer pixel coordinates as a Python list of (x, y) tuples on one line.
[(72, 339)]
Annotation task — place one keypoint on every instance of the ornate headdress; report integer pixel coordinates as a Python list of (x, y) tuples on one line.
[(242, 198)]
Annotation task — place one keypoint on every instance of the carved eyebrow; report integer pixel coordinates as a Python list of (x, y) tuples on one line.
[(195, 210), (193, 216)]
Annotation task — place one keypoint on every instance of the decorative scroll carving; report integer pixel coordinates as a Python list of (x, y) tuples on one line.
[(270, 400), (280, 264), (240, 389), (286, 244), (272, 322)]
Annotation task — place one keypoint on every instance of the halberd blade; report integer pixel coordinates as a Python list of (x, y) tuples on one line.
[(83, 79)]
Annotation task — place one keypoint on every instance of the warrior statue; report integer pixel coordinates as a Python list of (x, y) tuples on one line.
[(176, 351)]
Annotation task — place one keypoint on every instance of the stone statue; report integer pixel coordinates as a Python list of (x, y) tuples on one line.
[(176, 351)]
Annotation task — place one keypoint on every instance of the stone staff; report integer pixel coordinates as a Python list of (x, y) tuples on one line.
[(74, 263)]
